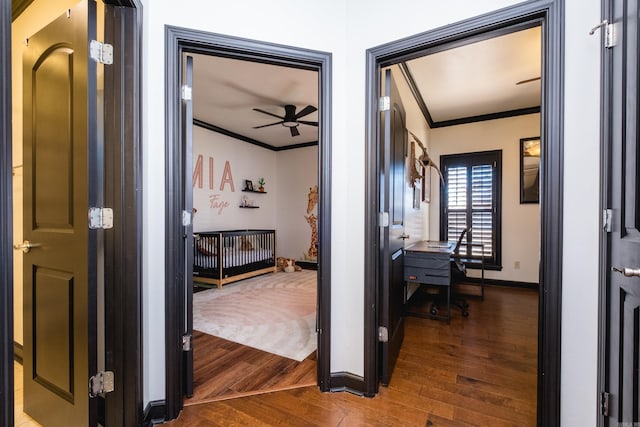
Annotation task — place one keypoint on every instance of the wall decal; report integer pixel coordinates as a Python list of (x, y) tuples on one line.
[(198, 173), (215, 202)]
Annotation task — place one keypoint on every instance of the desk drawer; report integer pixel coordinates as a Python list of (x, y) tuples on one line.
[(432, 262), (425, 275)]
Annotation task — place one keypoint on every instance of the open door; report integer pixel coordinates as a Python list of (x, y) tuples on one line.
[(392, 184), (620, 400), (60, 252), (187, 131)]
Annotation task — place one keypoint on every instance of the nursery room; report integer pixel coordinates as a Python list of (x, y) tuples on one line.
[(255, 208)]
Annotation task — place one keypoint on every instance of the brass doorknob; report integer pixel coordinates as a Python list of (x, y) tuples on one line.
[(25, 246)]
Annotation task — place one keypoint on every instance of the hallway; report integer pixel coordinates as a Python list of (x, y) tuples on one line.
[(477, 371)]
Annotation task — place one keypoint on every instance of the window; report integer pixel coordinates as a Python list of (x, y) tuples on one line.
[(471, 197)]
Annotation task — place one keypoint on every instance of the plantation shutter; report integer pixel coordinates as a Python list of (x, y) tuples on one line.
[(472, 196)]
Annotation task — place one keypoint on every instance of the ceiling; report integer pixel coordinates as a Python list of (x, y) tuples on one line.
[(225, 92), (458, 85)]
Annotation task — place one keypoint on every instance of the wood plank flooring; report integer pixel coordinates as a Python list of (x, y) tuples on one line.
[(224, 369), (476, 371)]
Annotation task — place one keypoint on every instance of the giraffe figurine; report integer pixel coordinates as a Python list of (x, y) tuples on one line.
[(313, 246), (313, 199)]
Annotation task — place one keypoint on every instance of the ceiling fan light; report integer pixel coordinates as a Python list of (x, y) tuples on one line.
[(290, 124)]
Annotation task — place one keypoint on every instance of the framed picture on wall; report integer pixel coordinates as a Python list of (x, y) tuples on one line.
[(530, 170), (248, 185)]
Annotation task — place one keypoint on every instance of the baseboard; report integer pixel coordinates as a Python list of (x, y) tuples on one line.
[(307, 265), (346, 381), (17, 352), (503, 283), (154, 413)]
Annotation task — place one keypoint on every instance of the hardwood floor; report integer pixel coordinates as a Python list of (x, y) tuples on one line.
[(224, 370), (478, 371)]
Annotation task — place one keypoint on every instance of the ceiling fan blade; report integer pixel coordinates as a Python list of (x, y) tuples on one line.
[(294, 131), (308, 123), (527, 81), (267, 113), (270, 124), (306, 110)]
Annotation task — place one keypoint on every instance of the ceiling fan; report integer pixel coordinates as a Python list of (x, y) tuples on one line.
[(291, 118)]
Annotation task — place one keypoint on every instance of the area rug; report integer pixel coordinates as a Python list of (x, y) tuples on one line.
[(274, 312)]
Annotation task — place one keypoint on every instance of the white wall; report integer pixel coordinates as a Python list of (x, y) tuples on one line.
[(581, 211), (218, 204), (520, 223), (347, 29), (296, 174)]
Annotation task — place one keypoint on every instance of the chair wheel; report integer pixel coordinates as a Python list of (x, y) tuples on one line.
[(434, 310), (465, 313)]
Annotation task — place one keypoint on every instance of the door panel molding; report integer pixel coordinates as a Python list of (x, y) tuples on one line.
[(550, 14), (182, 40)]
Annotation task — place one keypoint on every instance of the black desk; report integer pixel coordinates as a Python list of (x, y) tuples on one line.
[(429, 262)]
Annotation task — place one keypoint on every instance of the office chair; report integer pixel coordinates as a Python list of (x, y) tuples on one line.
[(458, 273)]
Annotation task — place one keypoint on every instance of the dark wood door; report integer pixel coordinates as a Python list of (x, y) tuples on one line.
[(392, 237), (622, 379), (187, 131), (59, 271)]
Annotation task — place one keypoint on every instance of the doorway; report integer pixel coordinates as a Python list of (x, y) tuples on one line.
[(181, 42), (254, 182), (548, 16)]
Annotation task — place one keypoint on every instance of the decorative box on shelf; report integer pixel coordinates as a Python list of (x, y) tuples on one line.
[(247, 204)]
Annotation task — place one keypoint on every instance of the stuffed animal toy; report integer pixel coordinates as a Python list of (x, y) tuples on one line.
[(282, 263), (245, 244), (289, 268)]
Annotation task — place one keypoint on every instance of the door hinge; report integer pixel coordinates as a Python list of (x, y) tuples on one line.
[(186, 342), (384, 219), (607, 218), (604, 403), (100, 218), (609, 33), (383, 334), (186, 218), (101, 384), (186, 93), (384, 103), (100, 52)]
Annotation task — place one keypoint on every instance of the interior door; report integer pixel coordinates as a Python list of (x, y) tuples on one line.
[(622, 376), (187, 131), (392, 235), (60, 256)]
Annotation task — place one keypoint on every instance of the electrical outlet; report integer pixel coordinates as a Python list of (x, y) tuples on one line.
[(516, 265)]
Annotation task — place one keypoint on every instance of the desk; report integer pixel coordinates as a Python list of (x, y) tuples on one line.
[(429, 262)]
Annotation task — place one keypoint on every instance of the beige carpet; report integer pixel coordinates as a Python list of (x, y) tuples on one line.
[(274, 312)]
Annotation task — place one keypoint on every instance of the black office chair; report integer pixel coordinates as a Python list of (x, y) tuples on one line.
[(459, 275)]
